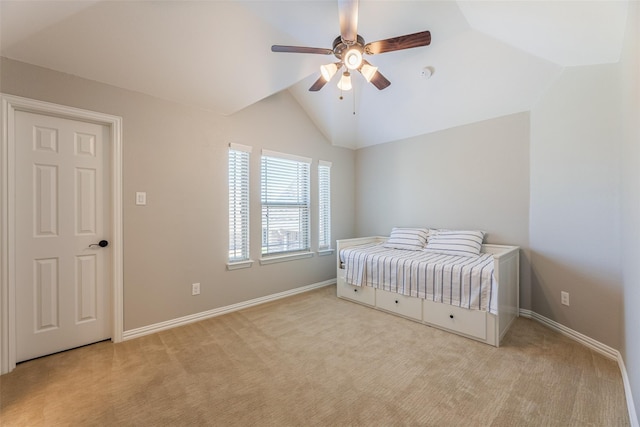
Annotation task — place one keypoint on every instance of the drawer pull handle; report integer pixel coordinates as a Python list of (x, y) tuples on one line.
[(355, 290), (396, 301), (451, 316)]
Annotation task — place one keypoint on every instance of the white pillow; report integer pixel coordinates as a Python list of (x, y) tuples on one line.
[(412, 239), (455, 242)]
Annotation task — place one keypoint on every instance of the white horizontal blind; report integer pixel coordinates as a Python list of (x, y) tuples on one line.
[(324, 205), (285, 203), (238, 204)]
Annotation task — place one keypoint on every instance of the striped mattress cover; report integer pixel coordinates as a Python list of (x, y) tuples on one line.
[(466, 282)]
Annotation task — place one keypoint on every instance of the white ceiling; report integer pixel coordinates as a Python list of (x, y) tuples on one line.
[(490, 58)]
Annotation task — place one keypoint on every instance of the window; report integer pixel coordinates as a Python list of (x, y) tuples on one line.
[(238, 203), (285, 203), (324, 205)]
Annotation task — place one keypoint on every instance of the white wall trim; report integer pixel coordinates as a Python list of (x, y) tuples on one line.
[(325, 252), (11, 104), (157, 327), (633, 416), (295, 158), (596, 346), (239, 265), (285, 258)]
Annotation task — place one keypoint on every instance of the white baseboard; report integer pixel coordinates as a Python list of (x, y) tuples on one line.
[(596, 346), (633, 416), (157, 327)]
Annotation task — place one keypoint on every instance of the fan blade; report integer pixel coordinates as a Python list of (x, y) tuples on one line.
[(301, 49), (348, 12), (319, 84), (380, 81), (398, 43)]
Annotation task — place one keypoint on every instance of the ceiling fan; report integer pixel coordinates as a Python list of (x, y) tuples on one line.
[(349, 47)]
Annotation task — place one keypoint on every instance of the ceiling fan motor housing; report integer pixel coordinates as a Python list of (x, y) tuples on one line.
[(340, 47)]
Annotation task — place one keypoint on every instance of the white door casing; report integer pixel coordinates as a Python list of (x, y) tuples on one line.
[(12, 109), (62, 212)]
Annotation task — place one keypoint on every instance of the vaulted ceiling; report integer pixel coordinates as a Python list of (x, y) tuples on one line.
[(489, 58)]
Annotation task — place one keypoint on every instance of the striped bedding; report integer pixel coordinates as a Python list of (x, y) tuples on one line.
[(466, 282)]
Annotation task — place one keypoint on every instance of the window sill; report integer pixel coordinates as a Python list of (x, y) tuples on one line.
[(240, 264), (285, 258), (326, 252)]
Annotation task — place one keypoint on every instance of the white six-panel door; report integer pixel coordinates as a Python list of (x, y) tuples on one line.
[(62, 211)]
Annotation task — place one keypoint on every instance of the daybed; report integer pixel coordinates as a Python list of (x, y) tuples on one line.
[(476, 297)]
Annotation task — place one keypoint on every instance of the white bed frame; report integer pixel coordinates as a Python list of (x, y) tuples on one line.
[(478, 325)]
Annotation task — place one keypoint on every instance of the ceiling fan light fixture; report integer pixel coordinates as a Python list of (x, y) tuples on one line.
[(345, 81), (328, 71), (349, 47), (368, 71), (353, 58)]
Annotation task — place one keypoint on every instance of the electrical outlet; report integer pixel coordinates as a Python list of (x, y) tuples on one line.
[(195, 289), (564, 298)]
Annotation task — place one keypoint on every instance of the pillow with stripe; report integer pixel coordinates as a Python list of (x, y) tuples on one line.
[(456, 242), (412, 239)]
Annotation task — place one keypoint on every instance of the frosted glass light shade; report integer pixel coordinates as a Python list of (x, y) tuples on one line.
[(368, 71), (345, 81), (328, 71)]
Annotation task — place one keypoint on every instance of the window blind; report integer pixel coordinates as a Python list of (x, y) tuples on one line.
[(285, 203), (324, 205), (238, 203)]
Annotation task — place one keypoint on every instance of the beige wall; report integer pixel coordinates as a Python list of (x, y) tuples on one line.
[(585, 201), (469, 177), (576, 133), (178, 155)]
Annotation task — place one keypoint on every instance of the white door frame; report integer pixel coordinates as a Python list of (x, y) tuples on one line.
[(11, 104)]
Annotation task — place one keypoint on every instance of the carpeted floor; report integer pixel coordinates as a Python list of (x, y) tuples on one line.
[(313, 359)]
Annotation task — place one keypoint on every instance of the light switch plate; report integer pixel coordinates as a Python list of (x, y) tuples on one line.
[(564, 298), (141, 198)]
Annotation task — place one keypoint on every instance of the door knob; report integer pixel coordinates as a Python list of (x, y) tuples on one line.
[(101, 243)]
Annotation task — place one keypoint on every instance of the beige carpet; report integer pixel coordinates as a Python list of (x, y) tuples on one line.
[(313, 359)]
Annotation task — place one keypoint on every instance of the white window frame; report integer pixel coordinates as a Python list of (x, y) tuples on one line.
[(239, 214), (324, 208), (285, 188)]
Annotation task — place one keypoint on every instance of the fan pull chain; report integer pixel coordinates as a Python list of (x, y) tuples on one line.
[(354, 100)]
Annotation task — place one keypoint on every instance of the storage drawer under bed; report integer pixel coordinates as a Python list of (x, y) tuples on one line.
[(399, 304), (461, 320), (361, 294)]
